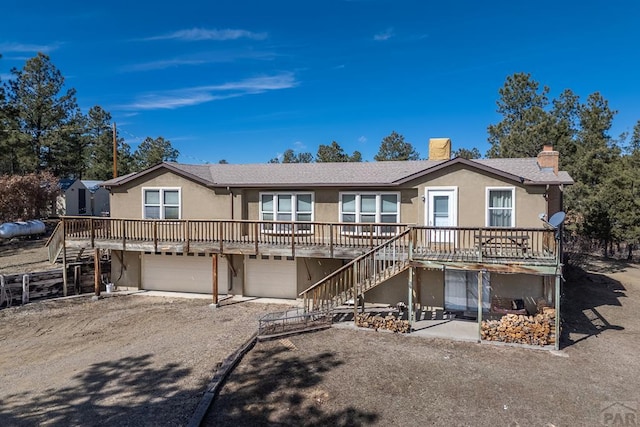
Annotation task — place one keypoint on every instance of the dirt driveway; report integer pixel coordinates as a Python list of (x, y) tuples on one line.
[(123, 360), (356, 377)]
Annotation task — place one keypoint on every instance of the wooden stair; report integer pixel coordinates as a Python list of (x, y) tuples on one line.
[(360, 275), (55, 246)]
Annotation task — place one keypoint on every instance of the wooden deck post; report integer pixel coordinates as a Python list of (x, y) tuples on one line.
[(480, 306), (93, 232), (186, 236), (410, 298), (96, 273), (214, 271), (64, 260), (331, 240), (556, 346)]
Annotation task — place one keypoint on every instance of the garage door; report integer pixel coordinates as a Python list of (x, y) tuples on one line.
[(271, 277), (183, 273)]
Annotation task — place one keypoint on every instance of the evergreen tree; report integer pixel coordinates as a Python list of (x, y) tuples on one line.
[(465, 153), (526, 125), (290, 156), (596, 158), (45, 116), (9, 136), (154, 151), (99, 156), (335, 153), (394, 147)]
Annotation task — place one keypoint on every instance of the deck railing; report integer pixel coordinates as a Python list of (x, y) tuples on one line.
[(231, 232), (485, 244), (464, 244)]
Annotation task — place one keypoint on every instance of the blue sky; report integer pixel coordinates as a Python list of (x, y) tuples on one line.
[(245, 80)]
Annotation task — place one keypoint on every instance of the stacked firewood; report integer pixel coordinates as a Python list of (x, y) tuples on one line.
[(520, 329), (389, 322)]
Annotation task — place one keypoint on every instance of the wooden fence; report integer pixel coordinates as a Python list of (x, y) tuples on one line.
[(21, 288)]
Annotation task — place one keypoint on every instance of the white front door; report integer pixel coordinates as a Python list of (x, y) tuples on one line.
[(441, 212)]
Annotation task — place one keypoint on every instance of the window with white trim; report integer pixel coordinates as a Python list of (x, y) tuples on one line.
[(289, 207), (501, 207), (370, 207), (161, 203)]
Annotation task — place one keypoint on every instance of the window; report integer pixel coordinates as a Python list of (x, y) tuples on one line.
[(501, 207), (161, 203), (289, 207), (372, 208)]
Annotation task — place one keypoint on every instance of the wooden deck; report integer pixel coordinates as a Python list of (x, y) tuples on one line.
[(517, 246)]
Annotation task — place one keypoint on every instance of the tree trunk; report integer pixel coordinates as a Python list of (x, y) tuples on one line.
[(630, 253)]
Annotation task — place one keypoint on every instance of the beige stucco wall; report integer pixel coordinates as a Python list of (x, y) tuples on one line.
[(430, 288), (472, 204), (126, 269), (471, 185), (326, 202), (391, 292), (518, 286), (200, 202), (237, 279), (311, 270), (197, 201)]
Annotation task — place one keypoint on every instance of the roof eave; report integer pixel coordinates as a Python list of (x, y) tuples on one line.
[(164, 165), (460, 160)]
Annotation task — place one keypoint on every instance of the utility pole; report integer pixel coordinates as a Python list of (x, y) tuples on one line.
[(115, 152)]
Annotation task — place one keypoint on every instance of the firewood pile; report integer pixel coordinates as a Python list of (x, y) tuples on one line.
[(390, 323), (521, 329)]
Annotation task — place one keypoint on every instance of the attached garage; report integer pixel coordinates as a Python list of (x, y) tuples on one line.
[(183, 273), (270, 277)]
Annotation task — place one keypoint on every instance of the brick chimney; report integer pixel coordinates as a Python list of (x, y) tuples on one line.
[(549, 159), (439, 149)]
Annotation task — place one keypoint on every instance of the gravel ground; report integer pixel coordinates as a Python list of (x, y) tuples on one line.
[(123, 360), (362, 377), (24, 256), (138, 360)]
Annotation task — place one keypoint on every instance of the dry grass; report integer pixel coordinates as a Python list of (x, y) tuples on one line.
[(356, 377)]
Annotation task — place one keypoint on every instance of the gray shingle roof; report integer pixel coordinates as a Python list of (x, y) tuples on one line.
[(348, 174)]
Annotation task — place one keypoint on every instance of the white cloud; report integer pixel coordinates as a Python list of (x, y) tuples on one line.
[(162, 64), (25, 47), (299, 146), (384, 35), (362, 139), (185, 97), (199, 34), (207, 58)]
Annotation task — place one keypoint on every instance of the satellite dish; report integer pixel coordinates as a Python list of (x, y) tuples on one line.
[(557, 219)]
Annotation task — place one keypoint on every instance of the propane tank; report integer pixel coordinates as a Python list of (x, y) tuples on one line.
[(9, 230)]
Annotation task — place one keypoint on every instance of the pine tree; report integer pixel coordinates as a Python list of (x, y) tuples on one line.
[(394, 147)]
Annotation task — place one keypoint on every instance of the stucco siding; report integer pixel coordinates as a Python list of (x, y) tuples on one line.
[(472, 204), (197, 201), (518, 286), (126, 269), (311, 270)]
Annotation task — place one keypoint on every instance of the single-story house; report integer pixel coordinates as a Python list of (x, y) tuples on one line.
[(456, 235)]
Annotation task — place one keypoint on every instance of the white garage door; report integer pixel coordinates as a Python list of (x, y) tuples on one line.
[(271, 277), (182, 273)]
